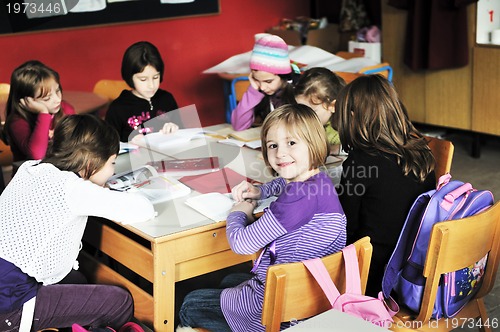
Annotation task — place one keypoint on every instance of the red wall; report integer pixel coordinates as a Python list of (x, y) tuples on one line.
[(188, 46)]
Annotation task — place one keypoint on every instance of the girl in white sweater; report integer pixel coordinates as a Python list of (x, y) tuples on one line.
[(43, 214)]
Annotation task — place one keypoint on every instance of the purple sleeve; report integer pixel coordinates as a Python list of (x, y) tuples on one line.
[(243, 116), (272, 188), (245, 239)]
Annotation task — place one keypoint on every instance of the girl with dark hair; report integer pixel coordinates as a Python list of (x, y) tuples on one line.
[(142, 69)]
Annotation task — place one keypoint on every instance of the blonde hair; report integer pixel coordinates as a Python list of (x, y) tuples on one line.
[(302, 121)]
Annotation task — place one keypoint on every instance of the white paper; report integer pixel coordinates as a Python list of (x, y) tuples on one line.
[(216, 206), (311, 56), (180, 137)]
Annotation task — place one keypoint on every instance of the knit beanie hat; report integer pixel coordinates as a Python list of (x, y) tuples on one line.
[(270, 54)]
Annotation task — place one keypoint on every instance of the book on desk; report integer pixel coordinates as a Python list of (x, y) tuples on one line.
[(147, 182)]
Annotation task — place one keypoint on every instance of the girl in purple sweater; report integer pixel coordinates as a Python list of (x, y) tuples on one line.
[(306, 221), (271, 83)]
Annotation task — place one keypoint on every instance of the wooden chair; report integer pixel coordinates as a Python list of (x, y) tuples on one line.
[(292, 293), (443, 153), (109, 89), (454, 245)]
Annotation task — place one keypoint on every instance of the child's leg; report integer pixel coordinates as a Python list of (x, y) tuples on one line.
[(87, 305), (201, 308)]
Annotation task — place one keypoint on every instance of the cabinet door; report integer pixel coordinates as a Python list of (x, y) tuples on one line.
[(485, 90)]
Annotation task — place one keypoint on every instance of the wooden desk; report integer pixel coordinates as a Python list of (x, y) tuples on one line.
[(178, 244), (82, 101)]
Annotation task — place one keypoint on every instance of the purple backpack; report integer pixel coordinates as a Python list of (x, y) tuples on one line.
[(403, 274)]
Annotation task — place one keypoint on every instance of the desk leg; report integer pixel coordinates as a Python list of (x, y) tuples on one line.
[(163, 287)]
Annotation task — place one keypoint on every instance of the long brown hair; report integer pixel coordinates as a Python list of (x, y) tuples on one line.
[(82, 142), (372, 118), (29, 80)]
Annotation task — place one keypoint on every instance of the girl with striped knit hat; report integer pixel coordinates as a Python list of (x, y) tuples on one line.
[(271, 83)]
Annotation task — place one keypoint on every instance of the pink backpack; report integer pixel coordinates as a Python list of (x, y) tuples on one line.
[(374, 310)]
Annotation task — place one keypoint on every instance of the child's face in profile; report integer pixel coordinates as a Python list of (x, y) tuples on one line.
[(101, 176), (268, 83), (287, 154), (323, 111), (146, 83)]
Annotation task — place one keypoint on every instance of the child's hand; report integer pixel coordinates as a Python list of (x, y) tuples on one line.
[(245, 190), (30, 104), (169, 128), (253, 83), (247, 206)]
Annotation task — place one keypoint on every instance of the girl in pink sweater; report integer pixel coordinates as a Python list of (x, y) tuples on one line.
[(271, 83), (34, 107)]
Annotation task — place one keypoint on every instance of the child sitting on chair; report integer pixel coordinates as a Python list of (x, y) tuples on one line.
[(306, 221), (271, 83), (318, 88), (142, 69)]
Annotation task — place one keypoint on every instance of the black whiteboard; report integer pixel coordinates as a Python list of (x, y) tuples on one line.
[(14, 14)]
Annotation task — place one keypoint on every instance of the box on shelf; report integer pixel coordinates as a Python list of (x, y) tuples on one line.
[(325, 38), (368, 50)]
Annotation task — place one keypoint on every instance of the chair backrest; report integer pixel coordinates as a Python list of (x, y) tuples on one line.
[(239, 86), (383, 69), (110, 89), (292, 293), (456, 244), (442, 150), (4, 88)]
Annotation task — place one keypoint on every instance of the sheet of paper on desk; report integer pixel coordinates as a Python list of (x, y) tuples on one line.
[(161, 188), (216, 206), (311, 56), (161, 141), (257, 144)]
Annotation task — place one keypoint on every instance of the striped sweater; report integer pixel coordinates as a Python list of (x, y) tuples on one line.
[(306, 221)]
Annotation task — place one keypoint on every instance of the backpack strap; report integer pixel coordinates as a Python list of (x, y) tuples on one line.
[(443, 179), (320, 273), (398, 256), (450, 197), (353, 280)]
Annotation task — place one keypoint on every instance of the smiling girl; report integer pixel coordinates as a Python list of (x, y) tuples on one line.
[(142, 69), (271, 83), (34, 107), (306, 221)]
